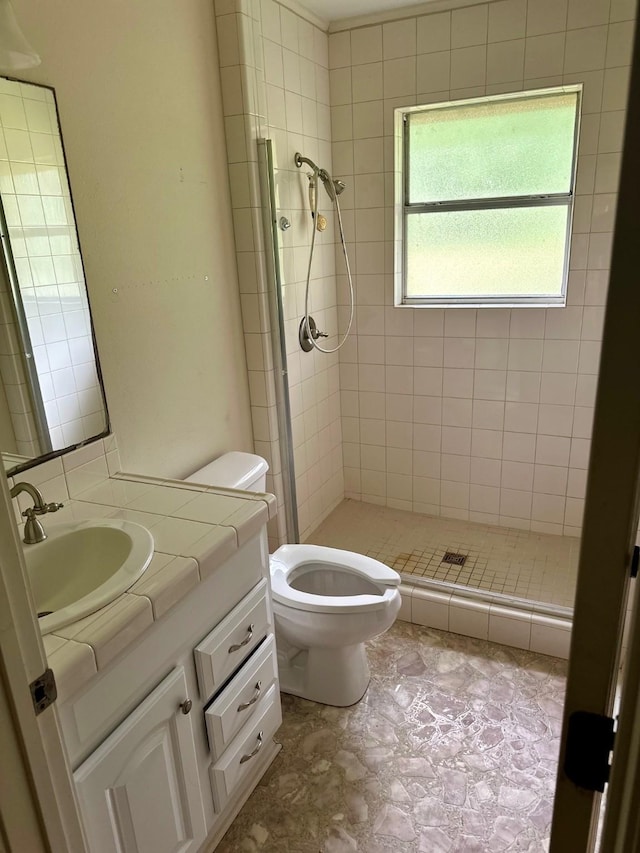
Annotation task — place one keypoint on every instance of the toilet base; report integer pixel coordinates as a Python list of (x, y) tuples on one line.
[(332, 676)]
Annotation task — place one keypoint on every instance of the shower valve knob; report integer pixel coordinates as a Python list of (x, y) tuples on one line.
[(303, 336)]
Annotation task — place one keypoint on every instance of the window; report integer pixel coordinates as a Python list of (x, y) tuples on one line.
[(484, 199)]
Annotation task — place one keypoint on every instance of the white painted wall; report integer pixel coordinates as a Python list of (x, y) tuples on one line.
[(138, 90)]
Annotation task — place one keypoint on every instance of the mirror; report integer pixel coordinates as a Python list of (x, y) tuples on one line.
[(51, 393)]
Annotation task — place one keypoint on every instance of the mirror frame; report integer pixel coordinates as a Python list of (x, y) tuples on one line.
[(13, 285)]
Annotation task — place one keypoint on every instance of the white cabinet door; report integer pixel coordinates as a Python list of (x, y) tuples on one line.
[(139, 791)]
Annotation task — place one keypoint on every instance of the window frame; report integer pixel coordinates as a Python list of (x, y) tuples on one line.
[(403, 209)]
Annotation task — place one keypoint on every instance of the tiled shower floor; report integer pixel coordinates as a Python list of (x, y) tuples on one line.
[(534, 566)]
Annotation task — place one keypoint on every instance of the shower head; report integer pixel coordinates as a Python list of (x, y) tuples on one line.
[(339, 187), (333, 188)]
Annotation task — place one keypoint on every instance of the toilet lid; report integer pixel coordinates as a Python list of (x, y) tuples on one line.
[(291, 562)]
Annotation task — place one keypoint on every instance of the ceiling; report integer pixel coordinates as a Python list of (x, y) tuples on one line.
[(333, 10)]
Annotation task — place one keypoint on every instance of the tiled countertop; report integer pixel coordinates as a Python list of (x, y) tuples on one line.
[(194, 528)]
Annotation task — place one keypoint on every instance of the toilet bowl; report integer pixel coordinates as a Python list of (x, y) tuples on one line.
[(327, 602)]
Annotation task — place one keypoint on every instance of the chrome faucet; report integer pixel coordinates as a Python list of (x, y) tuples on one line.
[(33, 529)]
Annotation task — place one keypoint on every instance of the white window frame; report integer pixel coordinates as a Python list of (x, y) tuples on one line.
[(403, 209)]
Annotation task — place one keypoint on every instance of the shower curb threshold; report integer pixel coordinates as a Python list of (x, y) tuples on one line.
[(499, 618)]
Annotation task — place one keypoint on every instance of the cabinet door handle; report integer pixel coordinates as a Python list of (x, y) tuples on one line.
[(253, 701), (253, 752), (186, 706), (247, 639)]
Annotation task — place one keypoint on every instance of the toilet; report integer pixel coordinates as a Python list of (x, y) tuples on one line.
[(327, 602)]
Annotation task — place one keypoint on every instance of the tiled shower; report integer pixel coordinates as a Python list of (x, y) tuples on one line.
[(478, 416)]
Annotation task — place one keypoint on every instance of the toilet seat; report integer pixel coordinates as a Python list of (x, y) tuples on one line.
[(291, 562)]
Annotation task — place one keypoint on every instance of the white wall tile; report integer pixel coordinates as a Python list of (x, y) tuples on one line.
[(477, 397), (544, 55), (521, 417), (546, 16), (553, 450), (430, 609), (400, 77), (366, 45), (550, 636), (468, 67), (469, 617), (507, 20), (505, 61), (585, 49), (433, 71), (508, 630), (619, 44), (469, 26), (434, 32), (399, 39), (517, 475)]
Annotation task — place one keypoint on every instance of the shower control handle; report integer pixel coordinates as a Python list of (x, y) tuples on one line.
[(303, 334)]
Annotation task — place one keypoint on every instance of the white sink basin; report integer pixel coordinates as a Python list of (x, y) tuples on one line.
[(83, 565)]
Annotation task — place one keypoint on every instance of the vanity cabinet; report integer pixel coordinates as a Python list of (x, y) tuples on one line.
[(169, 741), (140, 790)]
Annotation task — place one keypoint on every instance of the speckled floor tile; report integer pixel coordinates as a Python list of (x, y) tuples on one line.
[(453, 749)]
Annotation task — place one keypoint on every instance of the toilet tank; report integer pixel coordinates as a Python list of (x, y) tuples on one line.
[(235, 470)]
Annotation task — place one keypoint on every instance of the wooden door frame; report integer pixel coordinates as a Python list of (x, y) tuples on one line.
[(38, 808), (612, 503), (621, 832)]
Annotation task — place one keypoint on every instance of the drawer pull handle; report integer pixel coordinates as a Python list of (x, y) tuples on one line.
[(236, 646), (253, 752), (253, 701)]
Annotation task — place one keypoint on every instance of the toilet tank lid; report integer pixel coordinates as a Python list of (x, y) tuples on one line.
[(235, 470)]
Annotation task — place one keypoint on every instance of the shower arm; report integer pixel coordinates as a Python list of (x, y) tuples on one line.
[(333, 188), (299, 160)]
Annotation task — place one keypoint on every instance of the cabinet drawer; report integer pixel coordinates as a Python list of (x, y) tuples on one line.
[(237, 762), (240, 699), (224, 649)]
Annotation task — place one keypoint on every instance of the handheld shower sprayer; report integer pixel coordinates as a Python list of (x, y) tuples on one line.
[(308, 333), (313, 186)]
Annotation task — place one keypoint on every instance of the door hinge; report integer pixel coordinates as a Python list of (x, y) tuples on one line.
[(43, 691), (590, 739), (635, 559)]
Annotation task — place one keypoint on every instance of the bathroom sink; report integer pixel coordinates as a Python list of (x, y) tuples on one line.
[(83, 565)]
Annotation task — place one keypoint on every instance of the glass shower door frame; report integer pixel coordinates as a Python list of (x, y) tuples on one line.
[(277, 335)]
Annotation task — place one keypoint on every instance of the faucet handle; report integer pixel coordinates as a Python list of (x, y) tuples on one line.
[(42, 510)]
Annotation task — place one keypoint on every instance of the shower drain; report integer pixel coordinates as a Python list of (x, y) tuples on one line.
[(454, 559)]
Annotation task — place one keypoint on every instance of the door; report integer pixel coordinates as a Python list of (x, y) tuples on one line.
[(609, 533), (140, 790), (38, 809)]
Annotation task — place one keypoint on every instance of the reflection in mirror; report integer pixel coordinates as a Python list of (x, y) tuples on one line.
[(51, 396)]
